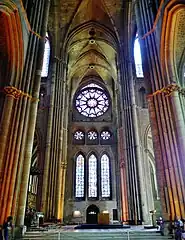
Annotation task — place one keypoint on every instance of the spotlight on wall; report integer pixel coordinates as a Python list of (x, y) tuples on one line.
[(105, 211), (76, 214)]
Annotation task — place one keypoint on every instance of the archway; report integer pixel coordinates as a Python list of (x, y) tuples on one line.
[(92, 214)]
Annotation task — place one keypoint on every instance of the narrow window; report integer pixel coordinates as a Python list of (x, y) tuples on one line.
[(79, 183), (45, 66), (92, 177), (137, 58), (105, 176)]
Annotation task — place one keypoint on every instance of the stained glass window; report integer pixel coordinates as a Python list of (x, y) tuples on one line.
[(92, 176), (105, 135), (45, 65), (105, 176), (92, 85), (92, 101), (137, 57), (92, 135), (79, 183), (79, 135)]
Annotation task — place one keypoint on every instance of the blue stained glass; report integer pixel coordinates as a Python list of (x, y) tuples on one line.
[(105, 176), (79, 183), (92, 178)]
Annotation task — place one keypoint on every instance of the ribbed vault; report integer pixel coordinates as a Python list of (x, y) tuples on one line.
[(88, 32)]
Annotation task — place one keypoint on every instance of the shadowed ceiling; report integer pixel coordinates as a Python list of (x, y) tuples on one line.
[(90, 28)]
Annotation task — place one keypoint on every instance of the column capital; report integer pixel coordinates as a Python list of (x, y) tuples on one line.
[(168, 90), (17, 93), (12, 92)]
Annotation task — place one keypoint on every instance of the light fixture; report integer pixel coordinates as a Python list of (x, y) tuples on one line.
[(92, 40), (76, 214), (91, 66), (105, 211), (92, 36)]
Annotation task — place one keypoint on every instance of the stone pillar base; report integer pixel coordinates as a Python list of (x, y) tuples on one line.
[(19, 231)]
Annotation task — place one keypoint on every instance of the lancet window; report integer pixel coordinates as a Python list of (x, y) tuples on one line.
[(137, 58), (105, 176), (98, 180), (92, 177), (80, 176), (45, 66)]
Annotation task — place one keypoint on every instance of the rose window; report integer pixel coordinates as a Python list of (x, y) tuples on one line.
[(92, 101), (79, 135), (105, 135), (92, 135)]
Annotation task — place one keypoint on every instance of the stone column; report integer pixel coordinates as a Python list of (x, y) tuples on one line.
[(48, 141), (64, 150), (166, 113), (123, 176), (35, 88), (179, 164)]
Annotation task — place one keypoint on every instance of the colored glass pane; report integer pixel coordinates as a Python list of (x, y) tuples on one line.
[(137, 58), (45, 65), (105, 135), (92, 135), (78, 135), (105, 176), (92, 101), (92, 176), (79, 183)]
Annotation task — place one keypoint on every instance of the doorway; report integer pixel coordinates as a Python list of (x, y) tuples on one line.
[(92, 214)]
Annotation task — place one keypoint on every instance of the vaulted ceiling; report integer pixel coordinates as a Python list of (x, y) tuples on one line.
[(88, 35)]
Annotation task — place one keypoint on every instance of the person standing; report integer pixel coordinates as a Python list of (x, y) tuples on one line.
[(7, 229)]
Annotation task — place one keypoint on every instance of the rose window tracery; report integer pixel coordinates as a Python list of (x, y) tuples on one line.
[(92, 135), (79, 135), (92, 101), (105, 135)]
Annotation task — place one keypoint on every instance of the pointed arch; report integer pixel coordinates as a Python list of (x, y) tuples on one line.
[(92, 176), (11, 44), (80, 176), (105, 173), (172, 47), (47, 50), (137, 58)]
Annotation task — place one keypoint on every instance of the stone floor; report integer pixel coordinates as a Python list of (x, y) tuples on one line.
[(69, 233)]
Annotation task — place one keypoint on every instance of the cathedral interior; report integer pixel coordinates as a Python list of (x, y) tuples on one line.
[(92, 109)]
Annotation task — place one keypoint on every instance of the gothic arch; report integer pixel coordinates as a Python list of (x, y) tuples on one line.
[(151, 158), (11, 42), (173, 42)]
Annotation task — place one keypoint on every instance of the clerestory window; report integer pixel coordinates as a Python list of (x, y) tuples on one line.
[(45, 66), (137, 58)]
